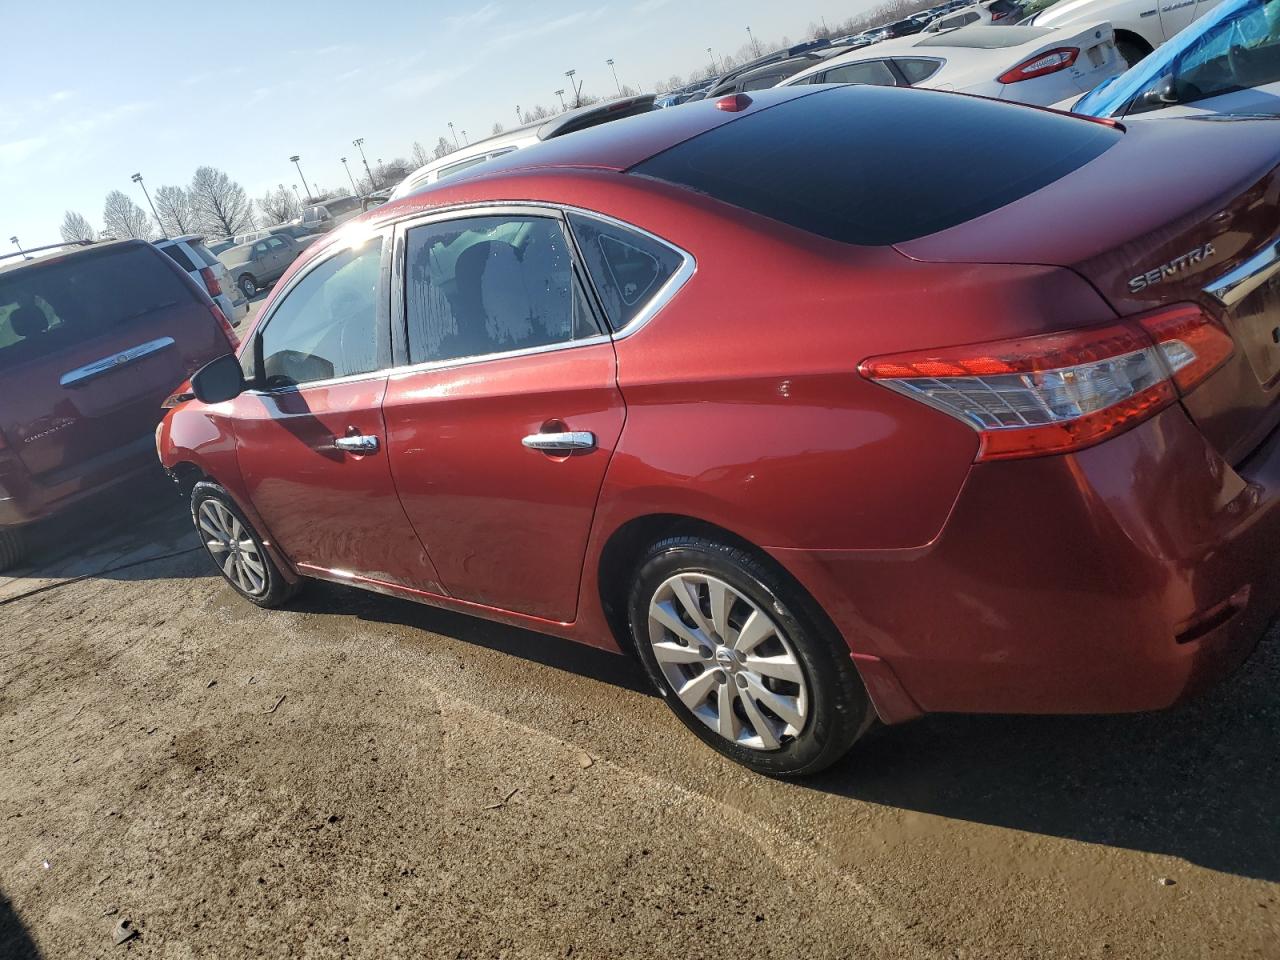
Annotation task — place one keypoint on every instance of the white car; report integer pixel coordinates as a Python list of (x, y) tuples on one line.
[(191, 254), (1025, 64), (1003, 13), (1140, 25), (526, 136)]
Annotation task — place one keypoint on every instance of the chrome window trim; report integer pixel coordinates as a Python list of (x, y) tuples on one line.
[(429, 366), (97, 368), (1237, 284)]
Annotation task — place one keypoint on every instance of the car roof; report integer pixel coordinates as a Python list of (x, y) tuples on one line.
[(45, 255)]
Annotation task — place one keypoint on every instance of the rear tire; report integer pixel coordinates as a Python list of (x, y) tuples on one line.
[(236, 549), (13, 547), (761, 678), (248, 286)]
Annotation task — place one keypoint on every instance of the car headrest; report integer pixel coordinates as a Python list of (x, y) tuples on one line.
[(28, 322)]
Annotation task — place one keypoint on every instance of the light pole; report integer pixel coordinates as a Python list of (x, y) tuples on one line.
[(560, 94), (576, 87), (297, 194), (715, 67), (137, 178), (754, 46), (305, 186), (354, 188), (464, 137), (14, 241), (453, 133), (358, 143), (519, 115), (615, 74)]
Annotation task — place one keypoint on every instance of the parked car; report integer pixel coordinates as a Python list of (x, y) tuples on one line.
[(1020, 456), (771, 74), (902, 28), (296, 231), (1140, 26), (208, 271), (692, 91), (93, 338), (1227, 62), (1026, 64), (322, 217), (218, 246), (990, 12), (481, 151), (259, 264)]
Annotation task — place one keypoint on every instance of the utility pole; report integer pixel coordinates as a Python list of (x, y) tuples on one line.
[(358, 143), (615, 74), (454, 133), (354, 188), (560, 94), (754, 46), (305, 186), (137, 178), (576, 87)]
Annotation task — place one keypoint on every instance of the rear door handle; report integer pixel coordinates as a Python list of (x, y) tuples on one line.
[(357, 444), (555, 442)]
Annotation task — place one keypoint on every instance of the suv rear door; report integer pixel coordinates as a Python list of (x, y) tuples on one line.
[(91, 343)]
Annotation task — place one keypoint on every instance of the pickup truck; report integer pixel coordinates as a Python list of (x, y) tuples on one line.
[(260, 263), (1140, 25)]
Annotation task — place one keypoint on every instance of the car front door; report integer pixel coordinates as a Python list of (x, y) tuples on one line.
[(309, 435), (500, 430)]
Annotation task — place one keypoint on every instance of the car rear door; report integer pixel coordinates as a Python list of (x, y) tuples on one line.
[(500, 431), (90, 346), (310, 438)]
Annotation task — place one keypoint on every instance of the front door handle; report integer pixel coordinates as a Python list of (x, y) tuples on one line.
[(357, 444), (561, 442)]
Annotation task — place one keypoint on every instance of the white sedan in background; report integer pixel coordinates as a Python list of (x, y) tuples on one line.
[(1038, 65)]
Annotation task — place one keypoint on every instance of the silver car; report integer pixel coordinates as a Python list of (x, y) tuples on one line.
[(191, 254)]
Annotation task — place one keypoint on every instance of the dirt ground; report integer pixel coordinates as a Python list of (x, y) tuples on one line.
[(363, 777)]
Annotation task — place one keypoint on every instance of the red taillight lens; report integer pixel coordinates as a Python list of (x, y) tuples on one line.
[(211, 281), (733, 102), (1038, 395), (226, 326), (1051, 61), (1191, 342)]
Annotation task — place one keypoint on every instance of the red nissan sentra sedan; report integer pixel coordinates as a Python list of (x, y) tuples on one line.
[(833, 403)]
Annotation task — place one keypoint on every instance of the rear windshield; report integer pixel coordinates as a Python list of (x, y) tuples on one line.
[(342, 205), (44, 309), (879, 165)]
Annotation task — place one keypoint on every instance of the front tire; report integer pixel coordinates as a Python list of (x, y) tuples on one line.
[(13, 547), (743, 659), (248, 286), (236, 549)]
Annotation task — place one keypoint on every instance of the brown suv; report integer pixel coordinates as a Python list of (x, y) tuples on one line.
[(93, 339)]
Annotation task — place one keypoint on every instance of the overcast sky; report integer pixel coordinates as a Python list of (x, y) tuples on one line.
[(95, 91)]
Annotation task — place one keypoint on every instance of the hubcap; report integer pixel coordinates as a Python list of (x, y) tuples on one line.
[(232, 548), (728, 661)]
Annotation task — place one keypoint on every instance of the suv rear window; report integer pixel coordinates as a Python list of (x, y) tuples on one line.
[(179, 256), (44, 309), (878, 165)]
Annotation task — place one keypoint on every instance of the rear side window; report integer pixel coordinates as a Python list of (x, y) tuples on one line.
[(917, 71), (179, 256), (875, 72), (874, 166), (628, 269), (44, 309)]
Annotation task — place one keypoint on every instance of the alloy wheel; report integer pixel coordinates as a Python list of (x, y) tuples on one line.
[(232, 547), (728, 661)]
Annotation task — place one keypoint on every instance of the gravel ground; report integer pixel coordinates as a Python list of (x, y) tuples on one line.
[(363, 777)]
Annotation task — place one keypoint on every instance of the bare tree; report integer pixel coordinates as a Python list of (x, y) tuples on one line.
[(420, 156), (537, 113), (173, 207), (220, 203), (76, 227), (443, 149), (121, 217), (279, 205), (498, 128)]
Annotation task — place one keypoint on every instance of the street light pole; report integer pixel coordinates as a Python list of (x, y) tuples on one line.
[(137, 178), (715, 67), (754, 46), (297, 194), (354, 188), (576, 87), (454, 133), (560, 94), (519, 115), (14, 241), (305, 186), (358, 143), (615, 74)]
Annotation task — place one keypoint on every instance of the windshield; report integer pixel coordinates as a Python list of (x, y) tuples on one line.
[(1232, 47)]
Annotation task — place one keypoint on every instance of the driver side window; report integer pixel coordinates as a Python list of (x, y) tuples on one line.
[(327, 325)]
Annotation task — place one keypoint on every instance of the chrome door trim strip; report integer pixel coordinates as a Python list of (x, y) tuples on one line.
[(73, 378), (1234, 286)]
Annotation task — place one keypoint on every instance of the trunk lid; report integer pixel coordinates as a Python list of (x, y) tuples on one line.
[(1184, 210), (91, 344)]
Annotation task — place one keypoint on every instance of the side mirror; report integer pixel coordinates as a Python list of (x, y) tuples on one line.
[(1162, 94), (218, 380)]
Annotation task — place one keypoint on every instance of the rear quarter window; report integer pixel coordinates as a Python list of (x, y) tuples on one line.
[(875, 165), (178, 256), (628, 269)]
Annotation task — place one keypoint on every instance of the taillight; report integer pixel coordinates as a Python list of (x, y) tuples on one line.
[(1051, 61), (226, 326), (1061, 392), (211, 281)]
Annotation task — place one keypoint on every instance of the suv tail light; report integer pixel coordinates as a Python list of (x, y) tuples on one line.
[(226, 326), (211, 281), (1060, 392), (1051, 61)]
